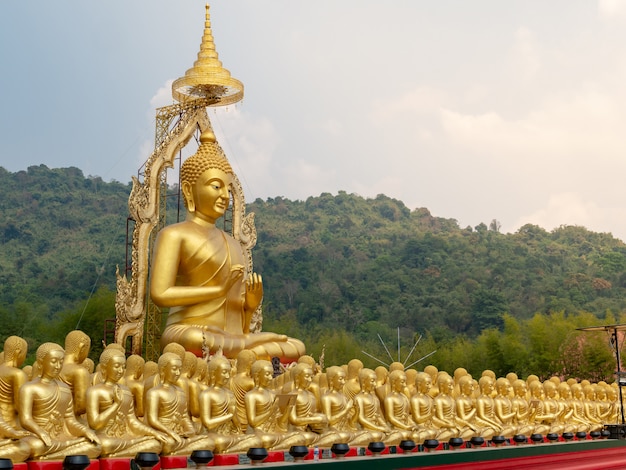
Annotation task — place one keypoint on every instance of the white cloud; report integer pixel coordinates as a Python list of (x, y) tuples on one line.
[(526, 54), (608, 9), (571, 209)]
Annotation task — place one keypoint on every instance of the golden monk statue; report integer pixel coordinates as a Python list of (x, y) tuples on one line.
[(218, 411), (241, 383), (198, 270), (78, 379), (133, 379), (339, 409), (267, 415), (522, 409), (503, 408), (422, 407), (369, 412), (110, 412), (486, 417), (465, 411), (445, 413), (12, 377), (166, 410), (46, 409), (398, 407), (305, 416)]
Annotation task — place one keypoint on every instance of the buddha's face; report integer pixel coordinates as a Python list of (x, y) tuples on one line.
[(399, 383), (446, 386), (369, 383), (424, 383), (467, 388), (265, 376), (222, 374), (305, 378), (114, 370), (52, 364), (339, 380), (211, 194), (171, 371), (503, 388)]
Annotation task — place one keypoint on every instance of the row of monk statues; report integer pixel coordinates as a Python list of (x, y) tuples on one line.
[(61, 405)]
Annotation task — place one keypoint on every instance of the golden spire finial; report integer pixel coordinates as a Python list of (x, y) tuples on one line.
[(207, 79)]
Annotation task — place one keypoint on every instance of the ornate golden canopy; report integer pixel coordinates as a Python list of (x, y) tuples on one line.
[(207, 79)]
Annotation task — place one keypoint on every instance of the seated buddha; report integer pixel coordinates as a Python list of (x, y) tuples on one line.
[(110, 411), (167, 411), (266, 417), (218, 410), (46, 410), (198, 270)]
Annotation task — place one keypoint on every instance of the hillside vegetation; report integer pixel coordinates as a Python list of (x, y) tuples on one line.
[(342, 271)]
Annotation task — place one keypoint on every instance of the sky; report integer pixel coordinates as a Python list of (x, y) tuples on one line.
[(476, 110)]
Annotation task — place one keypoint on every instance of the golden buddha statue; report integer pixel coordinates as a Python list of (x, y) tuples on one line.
[(12, 377), (241, 383), (503, 408), (166, 410), (352, 386), (486, 418), (422, 407), (445, 414), (198, 270), (398, 407), (369, 413), (536, 416), (465, 411), (110, 412), (218, 411), (133, 379), (521, 407), (46, 410), (550, 408), (77, 378), (305, 416), (339, 409), (268, 414), (11, 445), (566, 408)]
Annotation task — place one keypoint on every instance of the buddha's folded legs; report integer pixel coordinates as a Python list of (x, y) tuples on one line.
[(266, 345)]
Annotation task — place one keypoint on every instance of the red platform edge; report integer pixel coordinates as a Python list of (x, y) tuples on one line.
[(584, 460), (56, 465), (174, 461)]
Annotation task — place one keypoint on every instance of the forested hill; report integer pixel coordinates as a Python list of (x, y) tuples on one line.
[(335, 268)]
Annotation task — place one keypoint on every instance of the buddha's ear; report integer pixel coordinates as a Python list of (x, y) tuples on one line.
[(188, 195)]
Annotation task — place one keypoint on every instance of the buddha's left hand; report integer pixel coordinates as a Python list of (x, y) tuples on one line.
[(254, 292)]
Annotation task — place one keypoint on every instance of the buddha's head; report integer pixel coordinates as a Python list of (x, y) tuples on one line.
[(367, 379), (189, 364), (302, 375), (134, 366), (262, 372), (336, 377), (112, 364), (245, 359), (219, 370), (466, 385), (77, 344), (50, 359), (206, 178), (354, 366), (486, 384), (175, 348), (170, 365), (397, 379), (15, 349), (423, 382)]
